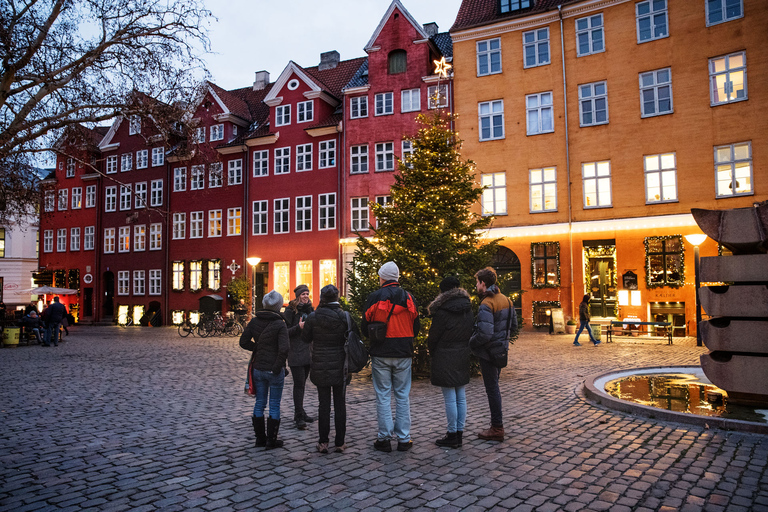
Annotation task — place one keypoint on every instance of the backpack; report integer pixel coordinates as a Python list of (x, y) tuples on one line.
[(357, 354)]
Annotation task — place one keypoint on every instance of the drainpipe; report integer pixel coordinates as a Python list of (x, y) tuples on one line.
[(341, 201), (246, 208), (567, 153)]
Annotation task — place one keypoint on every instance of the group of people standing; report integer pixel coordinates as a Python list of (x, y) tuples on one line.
[(312, 342), (46, 326)]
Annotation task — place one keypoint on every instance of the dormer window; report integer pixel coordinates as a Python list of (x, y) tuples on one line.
[(397, 62), (514, 5), (217, 132), (283, 115), (304, 111)]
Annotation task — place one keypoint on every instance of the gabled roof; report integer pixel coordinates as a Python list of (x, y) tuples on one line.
[(444, 43), (360, 78), (230, 103), (336, 78), (395, 5), (476, 13), (289, 70)]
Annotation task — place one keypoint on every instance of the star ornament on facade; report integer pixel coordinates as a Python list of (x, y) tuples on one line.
[(442, 67)]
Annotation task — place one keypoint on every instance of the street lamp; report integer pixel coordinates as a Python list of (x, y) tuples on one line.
[(253, 261), (696, 240)]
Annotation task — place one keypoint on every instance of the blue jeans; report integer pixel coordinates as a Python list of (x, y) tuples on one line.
[(392, 374), (491, 380), (52, 329), (455, 408), (268, 385), (582, 326)]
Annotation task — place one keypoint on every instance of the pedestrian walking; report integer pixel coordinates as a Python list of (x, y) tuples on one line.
[(448, 343), (496, 321), (299, 358), (391, 320), (266, 335), (53, 316), (325, 330), (584, 319)]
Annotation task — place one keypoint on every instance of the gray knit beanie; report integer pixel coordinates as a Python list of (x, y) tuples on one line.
[(273, 301), (389, 271)]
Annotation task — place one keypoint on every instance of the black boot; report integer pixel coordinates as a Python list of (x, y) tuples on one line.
[(459, 433), (308, 418), (273, 427), (258, 429), (298, 418), (450, 440)]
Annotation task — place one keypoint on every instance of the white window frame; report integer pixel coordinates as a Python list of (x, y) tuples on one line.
[(726, 18), (155, 281), (305, 111), (490, 111), (139, 282), (61, 240), (442, 97), (77, 198), (282, 115), (304, 157), (384, 104), (200, 134), (358, 159), (140, 195), (410, 100), (126, 197), (382, 201), (126, 162), (139, 238), (180, 179), (110, 199), (215, 223), (544, 182), (358, 107), (326, 210), (217, 132), (282, 160), (326, 154), (155, 236), (197, 179), (594, 174), (406, 152), (74, 239), (123, 282), (732, 164), (196, 226), (727, 72), (90, 196), (385, 156), (589, 28), (592, 95), (260, 163), (179, 225), (89, 238), (216, 175), (653, 15), (488, 57), (156, 193), (124, 239), (538, 40), (234, 221), (282, 216), (158, 156), (653, 82), (494, 198), (109, 240), (142, 159), (541, 109), (71, 167), (360, 214), (48, 240), (63, 199), (235, 172), (260, 217), (134, 125), (660, 177), (303, 213), (111, 164), (50, 201)]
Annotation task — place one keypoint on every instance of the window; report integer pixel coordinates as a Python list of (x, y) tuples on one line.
[(261, 163), (138, 282), (126, 162), (74, 239), (593, 104), (155, 236), (50, 200), (63, 199), (664, 261), (514, 5), (491, 119), (282, 160), (719, 11), (61, 240), (214, 223), (327, 150), (728, 78), (660, 178), (596, 178), (125, 197), (178, 276), (733, 169), (326, 211), (139, 238), (196, 225), (112, 164), (217, 132), (109, 240), (304, 157), (382, 201), (156, 193), (359, 157), (77, 198), (536, 47), (327, 272), (494, 193), (179, 226), (410, 100), (545, 263), (282, 272), (214, 275), (90, 196), (488, 57), (437, 96), (158, 157), (360, 214), (124, 239), (303, 213), (358, 107), (282, 214), (304, 111), (71, 167), (123, 282), (216, 175), (195, 275), (384, 103), (198, 177), (543, 184), (260, 218), (235, 174), (283, 115), (140, 195), (234, 221), (142, 159), (589, 35), (406, 152), (155, 281), (397, 62), (134, 125), (651, 20), (385, 156), (89, 238), (656, 92), (48, 240), (110, 199), (539, 113), (200, 134), (179, 179)]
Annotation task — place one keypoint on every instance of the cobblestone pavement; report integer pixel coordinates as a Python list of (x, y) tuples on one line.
[(141, 419)]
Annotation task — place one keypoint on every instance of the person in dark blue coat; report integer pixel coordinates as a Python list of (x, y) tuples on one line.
[(299, 359)]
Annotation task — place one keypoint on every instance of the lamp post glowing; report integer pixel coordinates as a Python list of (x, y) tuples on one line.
[(253, 261), (696, 240)]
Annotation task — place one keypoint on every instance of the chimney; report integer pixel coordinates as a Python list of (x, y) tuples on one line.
[(262, 80), (431, 29), (328, 60)]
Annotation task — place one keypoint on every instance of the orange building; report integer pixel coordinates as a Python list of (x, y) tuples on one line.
[(596, 127)]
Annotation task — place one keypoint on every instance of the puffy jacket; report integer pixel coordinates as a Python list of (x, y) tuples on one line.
[(491, 338), (55, 313), (448, 338), (267, 337), (325, 329), (403, 325), (298, 354)]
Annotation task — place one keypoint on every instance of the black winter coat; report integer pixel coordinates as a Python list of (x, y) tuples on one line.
[(448, 338), (267, 337), (325, 330), (298, 354)]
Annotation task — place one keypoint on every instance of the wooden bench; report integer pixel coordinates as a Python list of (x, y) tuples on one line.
[(617, 329)]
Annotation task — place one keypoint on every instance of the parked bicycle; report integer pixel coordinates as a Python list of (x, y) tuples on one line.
[(186, 328)]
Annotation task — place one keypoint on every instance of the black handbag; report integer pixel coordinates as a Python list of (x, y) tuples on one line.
[(356, 353), (377, 331)]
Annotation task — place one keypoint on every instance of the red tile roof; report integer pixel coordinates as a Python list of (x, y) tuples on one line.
[(476, 13), (332, 80)]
